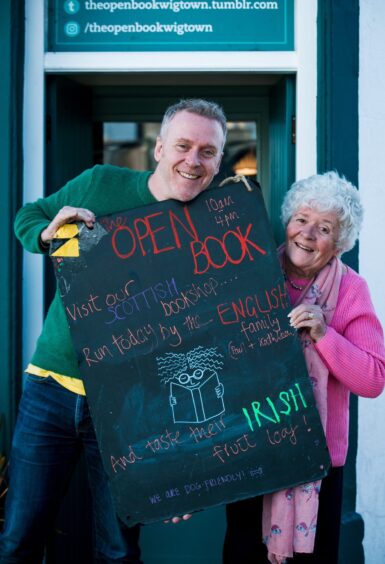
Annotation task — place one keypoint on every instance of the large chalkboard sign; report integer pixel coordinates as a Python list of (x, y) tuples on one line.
[(196, 382)]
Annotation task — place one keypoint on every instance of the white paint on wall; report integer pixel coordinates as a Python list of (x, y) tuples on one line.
[(371, 422), (33, 167), (306, 99)]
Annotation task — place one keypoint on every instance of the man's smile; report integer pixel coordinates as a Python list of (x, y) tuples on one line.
[(188, 175)]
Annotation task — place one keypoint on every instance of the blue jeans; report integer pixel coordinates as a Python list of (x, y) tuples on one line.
[(53, 426)]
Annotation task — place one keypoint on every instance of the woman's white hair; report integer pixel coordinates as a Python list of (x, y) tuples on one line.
[(327, 192)]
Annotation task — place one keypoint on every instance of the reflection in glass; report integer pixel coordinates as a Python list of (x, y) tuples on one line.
[(132, 145)]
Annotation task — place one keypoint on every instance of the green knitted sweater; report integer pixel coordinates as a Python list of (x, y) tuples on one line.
[(104, 189)]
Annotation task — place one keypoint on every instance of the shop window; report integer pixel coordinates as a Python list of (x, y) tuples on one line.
[(132, 144)]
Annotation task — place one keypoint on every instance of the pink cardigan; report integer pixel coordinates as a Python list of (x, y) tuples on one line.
[(353, 351)]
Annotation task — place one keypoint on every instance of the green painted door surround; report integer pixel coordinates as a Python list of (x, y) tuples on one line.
[(11, 99), (337, 148), (282, 149)]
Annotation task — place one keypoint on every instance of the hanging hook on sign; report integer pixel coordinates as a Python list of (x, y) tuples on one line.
[(237, 178)]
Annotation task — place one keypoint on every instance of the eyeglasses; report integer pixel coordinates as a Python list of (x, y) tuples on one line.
[(185, 378)]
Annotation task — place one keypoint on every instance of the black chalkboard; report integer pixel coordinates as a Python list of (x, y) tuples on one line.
[(196, 382)]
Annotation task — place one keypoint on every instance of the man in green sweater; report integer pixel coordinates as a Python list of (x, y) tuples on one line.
[(54, 423)]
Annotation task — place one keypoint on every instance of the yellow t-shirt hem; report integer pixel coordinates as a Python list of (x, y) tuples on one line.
[(73, 384)]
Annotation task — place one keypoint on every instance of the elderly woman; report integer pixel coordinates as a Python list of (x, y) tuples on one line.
[(343, 345)]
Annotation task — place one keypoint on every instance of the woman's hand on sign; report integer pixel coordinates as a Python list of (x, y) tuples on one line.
[(310, 317), (68, 214), (175, 520)]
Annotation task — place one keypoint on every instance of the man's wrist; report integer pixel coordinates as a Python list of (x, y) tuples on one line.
[(44, 245)]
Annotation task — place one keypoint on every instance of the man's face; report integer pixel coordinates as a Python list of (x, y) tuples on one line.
[(188, 156)]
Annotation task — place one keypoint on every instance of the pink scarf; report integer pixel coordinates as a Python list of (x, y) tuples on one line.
[(290, 517)]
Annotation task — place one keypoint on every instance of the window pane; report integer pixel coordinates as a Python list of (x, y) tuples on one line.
[(132, 145)]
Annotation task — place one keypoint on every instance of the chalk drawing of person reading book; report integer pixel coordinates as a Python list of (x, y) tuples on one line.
[(195, 392)]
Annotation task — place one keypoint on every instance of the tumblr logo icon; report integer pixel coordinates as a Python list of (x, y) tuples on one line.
[(71, 6)]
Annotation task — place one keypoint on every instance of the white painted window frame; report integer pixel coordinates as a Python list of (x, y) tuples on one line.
[(302, 61)]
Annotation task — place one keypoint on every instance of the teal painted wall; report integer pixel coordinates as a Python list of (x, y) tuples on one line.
[(337, 144), (12, 50)]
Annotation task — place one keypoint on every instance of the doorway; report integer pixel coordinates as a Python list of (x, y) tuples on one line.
[(260, 109), (96, 118)]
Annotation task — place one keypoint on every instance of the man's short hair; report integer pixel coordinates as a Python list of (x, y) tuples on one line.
[(204, 108)]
